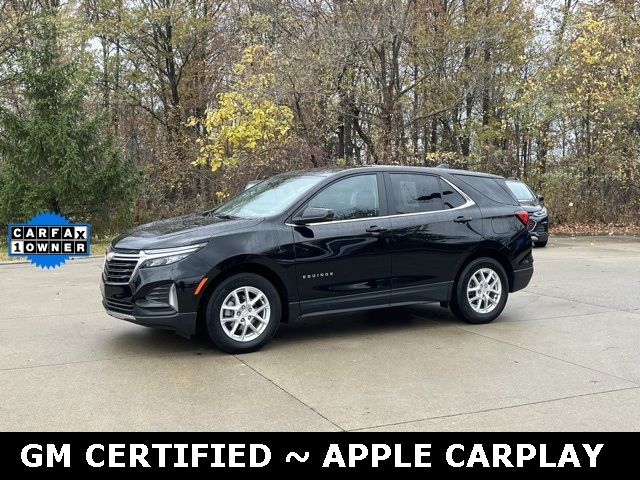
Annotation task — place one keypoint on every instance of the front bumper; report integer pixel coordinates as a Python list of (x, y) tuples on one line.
[(159, 297), (539, 229), (183, 324)]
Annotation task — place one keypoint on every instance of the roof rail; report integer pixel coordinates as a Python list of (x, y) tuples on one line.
[(443, 165)]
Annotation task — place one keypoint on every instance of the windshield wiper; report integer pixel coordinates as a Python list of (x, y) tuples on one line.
[(225, 216)]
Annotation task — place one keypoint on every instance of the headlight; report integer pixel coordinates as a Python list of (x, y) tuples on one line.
[(156, 262), (167, 256), (541, 213), (106, 255)]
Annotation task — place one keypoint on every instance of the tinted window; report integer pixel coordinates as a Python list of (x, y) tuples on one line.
[(416, 193), (520, 190), (450, 197), (490, 187), (353, 197)]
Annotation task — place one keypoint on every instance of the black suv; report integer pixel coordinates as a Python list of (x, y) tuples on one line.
[(538, 225), (319, 242)]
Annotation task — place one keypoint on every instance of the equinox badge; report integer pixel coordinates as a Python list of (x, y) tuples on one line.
[(317, 275)]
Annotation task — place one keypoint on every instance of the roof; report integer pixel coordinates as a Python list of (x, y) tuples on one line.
[(328, 171)]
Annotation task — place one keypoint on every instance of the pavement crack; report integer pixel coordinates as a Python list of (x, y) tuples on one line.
[(96, 360), (497, 409), (47, 315), (609, 310), (289, 393), (573, 300), (550, 356)]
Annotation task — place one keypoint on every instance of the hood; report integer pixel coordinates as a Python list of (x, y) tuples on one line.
[(531, 207), (533, 203), (179, 231)]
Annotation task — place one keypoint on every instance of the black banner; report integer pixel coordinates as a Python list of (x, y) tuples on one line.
[(330, 453)]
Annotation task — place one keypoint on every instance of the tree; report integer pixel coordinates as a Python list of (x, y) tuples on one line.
[(244, 121), (55, 154), (597, 96), (547, 91)]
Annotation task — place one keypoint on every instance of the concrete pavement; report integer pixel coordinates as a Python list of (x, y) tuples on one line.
[(564, 355)]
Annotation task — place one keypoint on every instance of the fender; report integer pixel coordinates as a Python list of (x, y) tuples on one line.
[(490, 248), (284, 273)]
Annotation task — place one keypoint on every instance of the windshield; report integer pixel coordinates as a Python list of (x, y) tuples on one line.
[(521, 191), (270, 197)]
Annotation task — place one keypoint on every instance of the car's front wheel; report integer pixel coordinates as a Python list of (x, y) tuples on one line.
[(481, 291), (243, 313)]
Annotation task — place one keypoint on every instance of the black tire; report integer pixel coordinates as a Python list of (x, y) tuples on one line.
[(460, 305), (214, 326), (541, 244)]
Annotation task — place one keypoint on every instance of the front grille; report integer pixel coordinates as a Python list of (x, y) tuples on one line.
[(120, 268), (120, 306), (538, 227)]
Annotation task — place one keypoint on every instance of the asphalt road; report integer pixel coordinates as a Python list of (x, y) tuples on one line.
[(564, 355)]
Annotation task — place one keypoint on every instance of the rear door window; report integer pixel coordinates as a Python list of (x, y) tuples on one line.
[(450, 197), (414, 193)]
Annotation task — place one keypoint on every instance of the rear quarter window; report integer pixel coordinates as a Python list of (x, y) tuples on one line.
[(492, 188)]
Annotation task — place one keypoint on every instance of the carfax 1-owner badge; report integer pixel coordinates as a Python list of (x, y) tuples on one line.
[(48, 239)]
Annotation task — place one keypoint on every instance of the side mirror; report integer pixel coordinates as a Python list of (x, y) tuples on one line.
[(540, 198), (312, 215)]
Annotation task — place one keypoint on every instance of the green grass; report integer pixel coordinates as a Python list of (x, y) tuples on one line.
[(98, 247)]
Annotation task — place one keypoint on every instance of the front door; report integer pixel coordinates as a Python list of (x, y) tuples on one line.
[(345, 263)]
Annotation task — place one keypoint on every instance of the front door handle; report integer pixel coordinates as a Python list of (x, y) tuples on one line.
[(375, 229), (462, 219)]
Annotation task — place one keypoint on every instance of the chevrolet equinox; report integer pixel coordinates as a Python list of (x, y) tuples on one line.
[(319, 242)]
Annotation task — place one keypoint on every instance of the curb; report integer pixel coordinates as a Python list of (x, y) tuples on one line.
[(595, 235)]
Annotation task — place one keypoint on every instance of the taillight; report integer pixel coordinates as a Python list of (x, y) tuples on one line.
[(523, 217)]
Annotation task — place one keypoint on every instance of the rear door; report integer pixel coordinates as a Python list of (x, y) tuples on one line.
[(433, 225), (345, 263)]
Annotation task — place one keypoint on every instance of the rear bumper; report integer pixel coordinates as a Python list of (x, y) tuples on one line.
[(521, 278), (183, 324)]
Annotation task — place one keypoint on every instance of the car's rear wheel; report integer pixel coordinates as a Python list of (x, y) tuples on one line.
[(481, 291), (541, 244), (243, 313)]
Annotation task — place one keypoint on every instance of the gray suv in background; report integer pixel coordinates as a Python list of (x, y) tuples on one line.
[(538, 225)]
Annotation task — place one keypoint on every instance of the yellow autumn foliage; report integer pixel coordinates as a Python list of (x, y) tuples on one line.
[(245, 120)]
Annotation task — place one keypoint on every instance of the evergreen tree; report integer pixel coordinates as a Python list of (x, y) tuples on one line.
[(55, 153)]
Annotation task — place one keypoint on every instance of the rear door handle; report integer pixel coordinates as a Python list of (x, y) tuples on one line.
[(375, 229), (462, 219)]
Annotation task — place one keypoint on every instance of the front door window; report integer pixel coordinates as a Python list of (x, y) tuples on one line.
[(351, 198)]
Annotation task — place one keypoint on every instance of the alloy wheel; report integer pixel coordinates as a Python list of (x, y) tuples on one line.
[(484, 290), (245, 314)]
